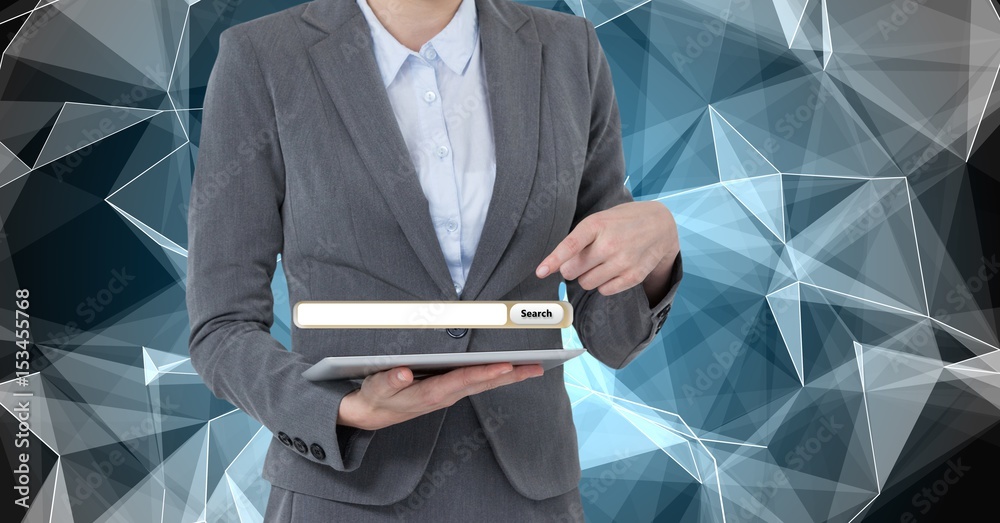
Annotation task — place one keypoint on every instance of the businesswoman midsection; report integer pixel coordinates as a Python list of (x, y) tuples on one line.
[(416, 150)]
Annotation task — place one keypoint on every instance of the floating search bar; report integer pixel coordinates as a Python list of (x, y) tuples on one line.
[(432, 314)]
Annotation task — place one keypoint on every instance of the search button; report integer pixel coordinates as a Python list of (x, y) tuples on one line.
[(536, 314)]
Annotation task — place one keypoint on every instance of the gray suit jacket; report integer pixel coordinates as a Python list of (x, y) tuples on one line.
[(301, 156)]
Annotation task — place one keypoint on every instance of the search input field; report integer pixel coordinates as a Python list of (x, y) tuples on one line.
[(432, 314)]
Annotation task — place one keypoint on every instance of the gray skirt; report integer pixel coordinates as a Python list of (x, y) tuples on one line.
[(463, 482)]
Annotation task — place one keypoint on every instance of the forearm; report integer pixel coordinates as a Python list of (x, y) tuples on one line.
[(235, 233), (243, 364)]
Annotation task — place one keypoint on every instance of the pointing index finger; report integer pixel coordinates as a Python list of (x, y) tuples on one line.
[(583, 235)]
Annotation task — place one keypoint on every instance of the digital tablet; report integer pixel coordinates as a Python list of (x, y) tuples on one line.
[(355, 367)]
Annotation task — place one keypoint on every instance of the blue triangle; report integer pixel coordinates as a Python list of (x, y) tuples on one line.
[(787, 311), (737, 158), (763, 198)]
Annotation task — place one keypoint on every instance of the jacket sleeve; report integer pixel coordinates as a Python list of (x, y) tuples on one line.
[(615, 329), (234, 238)]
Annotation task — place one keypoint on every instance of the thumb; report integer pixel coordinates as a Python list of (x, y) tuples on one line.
[(397, 379)]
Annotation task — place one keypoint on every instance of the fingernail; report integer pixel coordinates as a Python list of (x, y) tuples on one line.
[(401, 376), (542, 271), (506, 371)]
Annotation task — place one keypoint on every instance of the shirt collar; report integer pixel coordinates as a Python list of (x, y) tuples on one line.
[(454, 44)]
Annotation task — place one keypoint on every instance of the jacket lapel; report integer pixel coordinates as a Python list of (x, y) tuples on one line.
[(513, 62), (346, 63)]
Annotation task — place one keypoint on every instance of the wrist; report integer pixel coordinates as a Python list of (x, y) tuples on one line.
[(661, 273), (352, 411), (656, 282)]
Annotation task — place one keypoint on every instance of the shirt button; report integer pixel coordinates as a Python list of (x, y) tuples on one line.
[(430, 53), (430, 96), (458, 289), (442, 151), (452, 226)]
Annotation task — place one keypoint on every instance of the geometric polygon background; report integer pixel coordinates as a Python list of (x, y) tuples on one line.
[(832, 354)]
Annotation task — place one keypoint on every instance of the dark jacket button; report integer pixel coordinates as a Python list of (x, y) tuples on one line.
[(457, 333), (284, 439), (317, 451), (300, 445)]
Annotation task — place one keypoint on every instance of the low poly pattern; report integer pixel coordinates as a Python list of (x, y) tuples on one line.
[(834, 337)]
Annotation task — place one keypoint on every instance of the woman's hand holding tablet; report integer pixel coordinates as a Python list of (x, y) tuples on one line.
[(394, 396)]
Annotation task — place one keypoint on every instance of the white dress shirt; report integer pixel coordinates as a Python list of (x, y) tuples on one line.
[(440, 101)]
